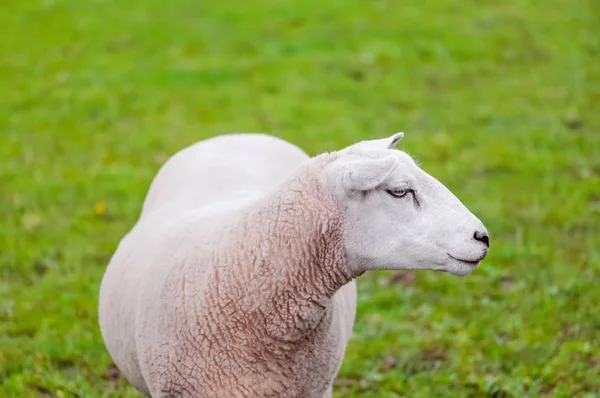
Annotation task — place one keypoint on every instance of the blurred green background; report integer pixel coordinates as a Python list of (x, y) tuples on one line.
[(499, 100)]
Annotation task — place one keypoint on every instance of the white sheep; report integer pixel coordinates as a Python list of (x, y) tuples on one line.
[(238, 278)]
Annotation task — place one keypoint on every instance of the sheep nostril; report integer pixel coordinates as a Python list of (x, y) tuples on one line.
[(482, 237)]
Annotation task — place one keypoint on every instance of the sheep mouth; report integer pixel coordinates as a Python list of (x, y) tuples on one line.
[(472, 263)]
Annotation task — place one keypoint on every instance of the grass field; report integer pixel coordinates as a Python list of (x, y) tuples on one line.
[(500, 101)]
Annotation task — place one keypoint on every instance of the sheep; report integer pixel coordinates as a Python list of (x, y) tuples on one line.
[(238, 279)]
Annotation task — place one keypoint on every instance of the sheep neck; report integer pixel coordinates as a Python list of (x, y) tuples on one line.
[(300, 255), (268, 299)]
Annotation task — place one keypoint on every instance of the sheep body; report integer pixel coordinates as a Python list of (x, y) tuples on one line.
[(229, 283)]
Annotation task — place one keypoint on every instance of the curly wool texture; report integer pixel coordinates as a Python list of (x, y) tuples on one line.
[(252, 302)]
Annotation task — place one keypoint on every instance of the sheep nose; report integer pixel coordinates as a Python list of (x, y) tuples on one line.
[(482, 237)]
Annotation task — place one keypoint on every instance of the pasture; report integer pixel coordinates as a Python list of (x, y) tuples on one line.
[(499, 101)]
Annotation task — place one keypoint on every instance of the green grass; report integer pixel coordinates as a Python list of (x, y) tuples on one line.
[(499, 100)]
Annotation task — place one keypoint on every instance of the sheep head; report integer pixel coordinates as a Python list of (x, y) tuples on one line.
[(397, 217)]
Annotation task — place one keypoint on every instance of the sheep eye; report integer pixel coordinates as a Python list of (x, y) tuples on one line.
[(399, 193)]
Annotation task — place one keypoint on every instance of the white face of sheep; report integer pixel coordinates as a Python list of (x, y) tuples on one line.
[(398, 217)]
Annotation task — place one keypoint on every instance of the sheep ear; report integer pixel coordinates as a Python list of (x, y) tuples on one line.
[(390, 142), (367, 174)]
